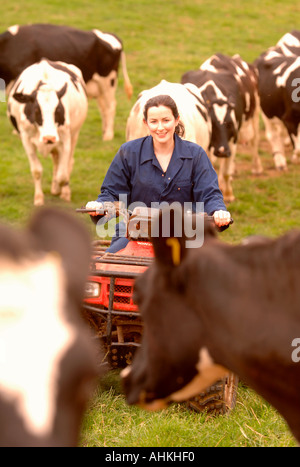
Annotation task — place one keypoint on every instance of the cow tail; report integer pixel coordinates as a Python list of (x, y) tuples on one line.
[(127, 84)]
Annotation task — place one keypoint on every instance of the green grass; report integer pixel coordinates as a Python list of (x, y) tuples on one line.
[(162, 40), (109, 422)]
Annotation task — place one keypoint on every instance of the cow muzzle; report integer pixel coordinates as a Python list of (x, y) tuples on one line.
[(48, 139), (140, 397), (222, 151)]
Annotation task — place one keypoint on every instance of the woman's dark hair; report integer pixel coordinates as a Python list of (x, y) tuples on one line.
[(166, 101)]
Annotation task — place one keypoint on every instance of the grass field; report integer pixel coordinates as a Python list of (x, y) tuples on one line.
[(162, 40)]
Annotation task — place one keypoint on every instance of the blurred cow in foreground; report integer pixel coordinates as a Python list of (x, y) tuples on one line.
[(47, 360), (47, 105), (192, 112), (217, 308)]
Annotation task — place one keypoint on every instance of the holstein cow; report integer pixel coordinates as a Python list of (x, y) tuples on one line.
[(192, 112), (279, 92), (289, 44), (47, 357), (95, 53), (47, 105), (228, 86), (216, 308)]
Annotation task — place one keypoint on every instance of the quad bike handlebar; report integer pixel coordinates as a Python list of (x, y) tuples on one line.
[(137, 220)]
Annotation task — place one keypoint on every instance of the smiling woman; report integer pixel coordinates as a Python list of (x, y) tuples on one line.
[(162, 120)]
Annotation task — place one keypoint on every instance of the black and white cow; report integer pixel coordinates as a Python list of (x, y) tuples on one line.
[(228, 86), (97, 54), (217, 308), (47, 357), (279, 91), (47, 105), (192, 112)]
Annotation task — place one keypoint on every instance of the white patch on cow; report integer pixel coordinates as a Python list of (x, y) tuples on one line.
[(34, 336), (247, 101), (126, 371), (220, 112), (14, 29), (48, 101), (208, 373), (281, 80), (217, 91), (232, 117), (290, 41), (109, 38), (240, 73), (271, 54), (279, 69), (208, 66)]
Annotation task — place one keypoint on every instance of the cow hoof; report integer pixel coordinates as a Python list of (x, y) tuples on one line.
[(280, 162), (257, 172), (282, 168), (229, 198), (66, 193), (39, 201), (55, 189), (65, 197), (107, 137)]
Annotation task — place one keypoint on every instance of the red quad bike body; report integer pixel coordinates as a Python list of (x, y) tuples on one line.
[(111, 312)]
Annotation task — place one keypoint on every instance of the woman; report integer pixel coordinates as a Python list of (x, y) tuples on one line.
[(162, 167)]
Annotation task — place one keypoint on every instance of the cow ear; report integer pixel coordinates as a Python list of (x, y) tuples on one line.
[(167, 237), (22, 98), (62, 91)]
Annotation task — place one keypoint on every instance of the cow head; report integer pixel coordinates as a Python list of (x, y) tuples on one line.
[(44, 109), (48, 363), (169, 365)]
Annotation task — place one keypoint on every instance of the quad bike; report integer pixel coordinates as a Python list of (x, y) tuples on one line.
[(110, 310)]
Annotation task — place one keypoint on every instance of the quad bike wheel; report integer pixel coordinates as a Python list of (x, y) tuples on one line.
[(219, 398)]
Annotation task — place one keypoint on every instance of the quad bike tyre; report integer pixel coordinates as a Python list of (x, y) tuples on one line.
[(218, 399)]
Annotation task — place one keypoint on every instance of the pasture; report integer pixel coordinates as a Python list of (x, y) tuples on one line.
[(162, 40)]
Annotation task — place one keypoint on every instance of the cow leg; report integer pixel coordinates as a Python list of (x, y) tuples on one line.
[(106, 99), (66, 189), (213, 159), (274, 134), (296, 146), (226, 171), (35, 168), (62, 174), (55, 188), (257, 168)]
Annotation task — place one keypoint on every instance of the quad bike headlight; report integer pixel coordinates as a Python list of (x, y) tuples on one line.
[(92, 289)]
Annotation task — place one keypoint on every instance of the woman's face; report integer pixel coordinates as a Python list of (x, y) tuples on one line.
[(161, 124)]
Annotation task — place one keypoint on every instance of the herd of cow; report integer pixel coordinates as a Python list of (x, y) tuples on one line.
[(49, 72), (48, 82)]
